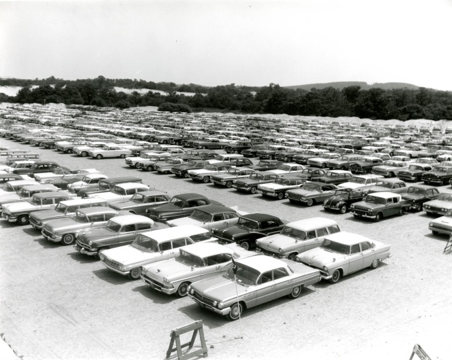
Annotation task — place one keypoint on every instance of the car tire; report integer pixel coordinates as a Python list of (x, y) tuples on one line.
[(84, 154), (186, 175), (336, 276), (434, 232), (310, 202), (293, 256), (68, 239), (281, 196), (245, 245), (378, 217), (149, 168), (99, 156), (253, 190), (136, 166), (292, 201), (296, 292), (206, 179), (229, 184), (23, 220), (123, 156), (182, 290), (135, 273), (236, 312), (375, 264), (343, 209)]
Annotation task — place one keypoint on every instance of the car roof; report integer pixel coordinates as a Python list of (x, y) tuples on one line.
[(207, 249), (127, 219), (97, 210), (153, 193), (188, 196), (347, 238), (175, 232), (262, 263), (311, 223), (20, 182), (385, 194), (53, 194), (131, 185), (393, 180), (83, 201), (39, 187), (260, 217), (368, 176), (215, 209), (422, 186)]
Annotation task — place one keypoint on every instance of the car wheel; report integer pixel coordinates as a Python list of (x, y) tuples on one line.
[(418, 207), (310, 202), (99, 156), (343, 209), (135, 273), (281, 196), (236, 311), (378, 217), (206, 179), (84, 154), (324, 165), (149, 168), (136, 166), (123, 156), (336, 276), (253, 190), (296, 291), (434, 232), (183, 289), (375, 264), (68, 239), (245, 245), (292, 256), (229, 184), (22, 220), (292, 201), (186, 175)]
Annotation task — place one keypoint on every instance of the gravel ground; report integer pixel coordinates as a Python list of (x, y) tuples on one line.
[(58, 304)]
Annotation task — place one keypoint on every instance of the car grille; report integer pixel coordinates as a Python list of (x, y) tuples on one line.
[(442, 228), (85, 246), (203, 299), (294, 196), (112, 264), (129, 162), (34, 221), (47, 232), (152, 281)]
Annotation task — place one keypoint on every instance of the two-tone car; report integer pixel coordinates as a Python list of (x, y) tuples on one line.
[(344, 253), (152, 246), (442, 225), (251, 183), (25, 193), (417, 195), (227, 179), (439, 175), (394, 185), (380, 205), (439, 206), (20, 212), (342, 199), (414, 171), (192, 263), (296, 237), (86, 181), (110, 151), (119, 231), (252, 281), (209, 171), (390, 168), (335, 177), (142, 201), (121, 192), (180, 205), (311, 193), (279, 188), (66, 230)]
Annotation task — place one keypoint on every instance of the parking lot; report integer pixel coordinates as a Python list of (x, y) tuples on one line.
[(59, 304)]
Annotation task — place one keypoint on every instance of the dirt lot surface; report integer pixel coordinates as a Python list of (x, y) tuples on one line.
[(59, 304)]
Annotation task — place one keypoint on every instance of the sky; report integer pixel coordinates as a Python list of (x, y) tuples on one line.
[(210, 42)]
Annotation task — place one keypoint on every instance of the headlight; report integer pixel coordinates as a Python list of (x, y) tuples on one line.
[(442, 209), (165, 279), (280, 250), (430, 225), (90, 243), (102, 257), (191, 291), (325, 269), (215, 303), (369, 211), (220, 305), (121, 267), (427, 206)]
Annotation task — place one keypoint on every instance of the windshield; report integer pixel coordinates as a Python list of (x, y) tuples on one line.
[(177, 202), (233, 171), (35, 200), (10, 188), (191, 163), (445, 197), (145, 243), (210, 167), (189, 259), (415, 190), (293, 233), (341, 193), (138, 198), (81, 217), (112, 226), (119, 191), (333, 246), (201, 216), (245, 275), (104, 185), (384, 184), (201, 237), (250, 224), (86, 179), (61, 208), (415, 167), (311, 187), (257, 176), (24, 193), (358, 180), (375, 200)]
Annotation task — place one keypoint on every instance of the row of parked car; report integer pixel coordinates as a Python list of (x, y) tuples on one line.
[(187, 244)]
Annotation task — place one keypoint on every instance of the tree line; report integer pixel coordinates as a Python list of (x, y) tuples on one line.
[(375, 103)]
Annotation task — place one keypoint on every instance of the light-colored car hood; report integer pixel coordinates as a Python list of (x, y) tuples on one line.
[(171, 269), (319, 257), (9, 196), (220, 288), (128, 255), (274, 242), (443, 220), (20, 206), (439, 203), (184, 221), (271, 186), (350, 185)]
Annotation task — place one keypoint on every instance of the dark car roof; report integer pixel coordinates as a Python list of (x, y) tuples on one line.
[(188, 196), (261, 217), (97, 210), (422, 186), (54, 194), (152, 192), (215, 209), (39, 162)]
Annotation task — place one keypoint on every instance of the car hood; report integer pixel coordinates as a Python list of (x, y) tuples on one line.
[(272, 186), (119, 205), (443, 220), (66, 223), (335, 200), (184, 221), (306, 193), (232, 230), (128, 255), (20, 206), (351, 185), (220, 288), (8, 197), (440, 203), (319, 257), (412, 196), (274, 242), (96, 234), (45, 214), (169, 269), (165, 208)]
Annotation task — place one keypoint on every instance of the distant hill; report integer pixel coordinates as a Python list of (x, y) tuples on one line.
[(365, 86)]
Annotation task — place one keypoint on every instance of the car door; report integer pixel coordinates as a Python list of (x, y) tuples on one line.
[(355, 259), (369, 254), (265, 288), (282, 281)]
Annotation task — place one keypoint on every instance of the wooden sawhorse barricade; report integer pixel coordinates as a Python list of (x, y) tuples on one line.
[(196, 327), (420, 352), (448, 247)]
